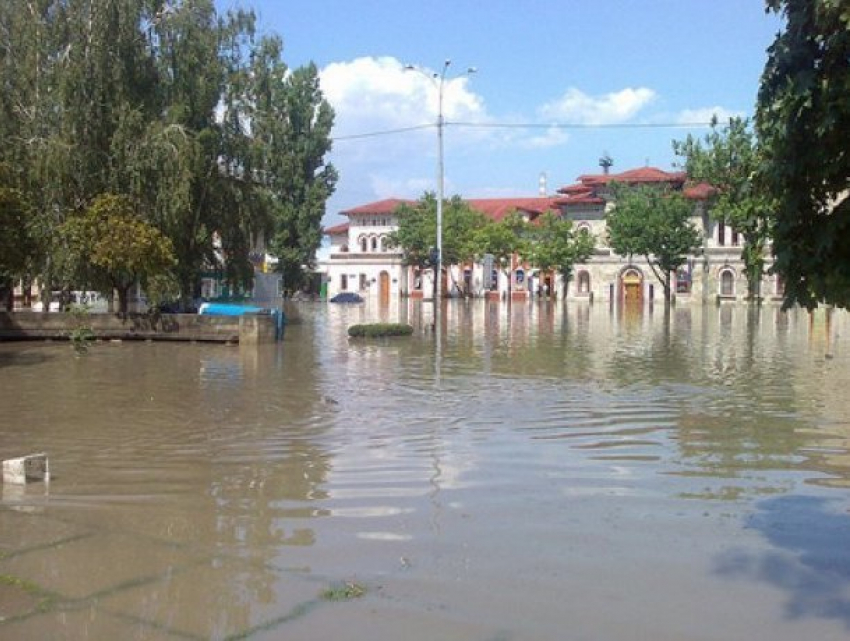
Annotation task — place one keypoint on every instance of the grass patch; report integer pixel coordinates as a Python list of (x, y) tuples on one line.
[(344, 592), (31, 598), (379, 330)]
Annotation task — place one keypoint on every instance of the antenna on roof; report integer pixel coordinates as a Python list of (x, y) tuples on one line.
[(542, 184), (606, 162)]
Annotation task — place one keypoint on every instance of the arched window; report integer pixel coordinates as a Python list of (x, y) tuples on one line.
[(384, 244), (583, 282), (363, 244), (780, 286), (374, 243), (727, 283), (583, 228)]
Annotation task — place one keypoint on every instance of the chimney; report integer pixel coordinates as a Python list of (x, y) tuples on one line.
[(542, 184)]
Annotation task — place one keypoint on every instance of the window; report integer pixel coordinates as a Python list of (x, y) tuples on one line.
[(384, 244), (779, 287), (343, 282), (363, 244), (727, 283), (735, 240), (364, 283), (721, 233), (583, 282), (683, 281), (374, 243)]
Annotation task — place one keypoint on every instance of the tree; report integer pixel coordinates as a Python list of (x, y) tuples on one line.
[(728, 159), (177, 107), (803, 123), (291, 128), (557, 246), (503, 240), (655, 223), (16, 245), (111, 246), (417, 231)]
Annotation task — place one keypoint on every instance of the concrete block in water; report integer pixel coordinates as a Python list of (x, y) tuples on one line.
[(34, 467)]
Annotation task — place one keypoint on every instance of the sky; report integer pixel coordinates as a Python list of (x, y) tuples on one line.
[(558, 84)]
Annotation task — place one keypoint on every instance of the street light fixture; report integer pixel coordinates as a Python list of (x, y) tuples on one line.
[(439, 80)]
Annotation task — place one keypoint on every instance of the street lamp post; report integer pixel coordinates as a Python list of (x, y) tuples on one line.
[(439, 79)]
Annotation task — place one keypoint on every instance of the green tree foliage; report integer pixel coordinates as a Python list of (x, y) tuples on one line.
[(503, 239), (803, 123), (291, 123), (728, 159), (555, 245), (16, 245), (417, 231), (110, 245), (654, 223), (179, 108)]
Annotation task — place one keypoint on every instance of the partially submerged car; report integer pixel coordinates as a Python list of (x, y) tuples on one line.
[(347, 297)]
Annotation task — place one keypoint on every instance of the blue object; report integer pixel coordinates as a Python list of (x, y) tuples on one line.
[(230, 309)]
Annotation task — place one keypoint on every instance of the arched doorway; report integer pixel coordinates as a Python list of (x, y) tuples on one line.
[(632, 286), (384, 289)]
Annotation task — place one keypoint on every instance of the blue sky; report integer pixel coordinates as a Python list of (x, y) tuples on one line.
[(603, 65)]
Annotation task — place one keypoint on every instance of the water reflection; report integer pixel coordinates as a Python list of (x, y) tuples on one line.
[(553, 447), (812, 567)]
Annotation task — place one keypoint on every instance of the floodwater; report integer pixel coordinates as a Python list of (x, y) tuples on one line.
[(534, 472)]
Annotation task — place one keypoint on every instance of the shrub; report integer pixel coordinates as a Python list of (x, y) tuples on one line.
[(377, 330)]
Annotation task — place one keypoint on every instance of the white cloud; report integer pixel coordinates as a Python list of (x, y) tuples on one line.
[(704, 115), (553, 137), (377, 94), (577, 107)]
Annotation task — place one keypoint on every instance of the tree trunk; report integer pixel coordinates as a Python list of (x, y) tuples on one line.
[(123, 295)]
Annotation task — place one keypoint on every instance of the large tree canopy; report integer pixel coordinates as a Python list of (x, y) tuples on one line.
[(654, 223), (729, 158), (803, 123), (181, 109)]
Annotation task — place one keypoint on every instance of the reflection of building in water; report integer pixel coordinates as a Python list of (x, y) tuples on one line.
[(361, 259)]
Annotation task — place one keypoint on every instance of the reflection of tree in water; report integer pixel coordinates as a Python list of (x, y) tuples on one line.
[(749, 417), (549, 343), (267, 468), (811, 561)]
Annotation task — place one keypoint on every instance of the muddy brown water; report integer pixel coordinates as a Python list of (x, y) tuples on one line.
[(536, 472)]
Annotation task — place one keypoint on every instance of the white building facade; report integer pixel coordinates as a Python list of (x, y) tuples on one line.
[(361, 260)]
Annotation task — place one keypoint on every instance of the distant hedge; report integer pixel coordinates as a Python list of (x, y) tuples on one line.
[(375, 330)]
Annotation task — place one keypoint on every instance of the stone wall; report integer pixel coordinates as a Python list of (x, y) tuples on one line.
[(176, 327)]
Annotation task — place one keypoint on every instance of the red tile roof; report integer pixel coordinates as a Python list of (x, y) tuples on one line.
[(585, 191), (498, 208), (700, 191), (634, 176), (387, 206), (335, 230)]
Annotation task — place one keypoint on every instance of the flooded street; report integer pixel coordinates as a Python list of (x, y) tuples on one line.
[(539, 472)]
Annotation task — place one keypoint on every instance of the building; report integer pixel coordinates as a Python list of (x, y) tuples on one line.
[(715, 273), (362, 261)]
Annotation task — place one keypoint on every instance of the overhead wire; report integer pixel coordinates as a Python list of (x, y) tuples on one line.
[(532, 125)]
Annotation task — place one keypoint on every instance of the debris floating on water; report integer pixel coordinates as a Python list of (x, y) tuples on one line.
[(34, 467)]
